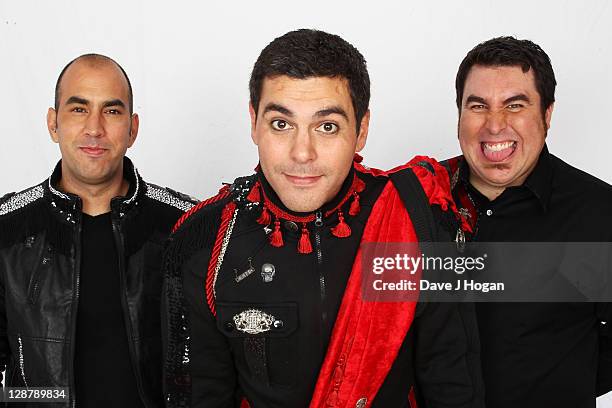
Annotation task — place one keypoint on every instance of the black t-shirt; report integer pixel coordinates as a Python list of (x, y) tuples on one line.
[(103, 371)]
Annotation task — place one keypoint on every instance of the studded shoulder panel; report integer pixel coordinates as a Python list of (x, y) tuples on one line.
[(241, 187), (17, 201), (170, 197)]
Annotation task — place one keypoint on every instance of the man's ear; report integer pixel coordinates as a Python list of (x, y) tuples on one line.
[(52, 124), (362, 137), (548, 115), (135, 122), (253, 123)]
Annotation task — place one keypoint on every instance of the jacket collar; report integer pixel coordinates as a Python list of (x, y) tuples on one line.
[(272, 211), (326, 208), (69, 206)]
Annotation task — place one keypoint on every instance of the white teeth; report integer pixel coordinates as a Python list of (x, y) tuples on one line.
[(497, 147)]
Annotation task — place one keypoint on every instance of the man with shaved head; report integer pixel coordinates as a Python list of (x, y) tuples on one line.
[(80, 253)]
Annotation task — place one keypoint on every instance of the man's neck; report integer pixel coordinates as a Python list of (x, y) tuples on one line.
[(492, 191), (96, 198), (487, 190)]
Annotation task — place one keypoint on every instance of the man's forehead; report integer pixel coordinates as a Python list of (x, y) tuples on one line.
[(499, 79), (102, 77), (310, 90)]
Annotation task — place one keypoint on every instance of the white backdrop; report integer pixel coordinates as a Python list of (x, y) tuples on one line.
[(189, 64)]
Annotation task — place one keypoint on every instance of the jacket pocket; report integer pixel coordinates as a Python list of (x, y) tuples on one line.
[(39, 272), (263, 340)]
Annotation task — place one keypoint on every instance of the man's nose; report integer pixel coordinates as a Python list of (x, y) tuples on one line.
[(496, 122), (94, 126), (303, 149)]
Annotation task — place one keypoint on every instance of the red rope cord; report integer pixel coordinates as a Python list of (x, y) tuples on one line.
[(223, 193), (226, 216)]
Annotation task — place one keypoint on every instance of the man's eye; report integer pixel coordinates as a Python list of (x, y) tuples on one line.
[(328, 127), (78, 109), (515, 106), (113, 111), (279, 124), (478, 107)]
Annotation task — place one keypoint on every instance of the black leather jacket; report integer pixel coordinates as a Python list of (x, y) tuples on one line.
[(40, 261)]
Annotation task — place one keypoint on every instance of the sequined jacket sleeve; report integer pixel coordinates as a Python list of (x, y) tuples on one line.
[(199, 370)]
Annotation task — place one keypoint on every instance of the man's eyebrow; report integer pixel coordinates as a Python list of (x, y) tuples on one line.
[(330, 111), (519, 97), (275, 107), (113, 102), (477, 99), (77, 99)]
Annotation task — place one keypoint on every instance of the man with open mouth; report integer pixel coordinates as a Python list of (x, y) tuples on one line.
[(514, 190)]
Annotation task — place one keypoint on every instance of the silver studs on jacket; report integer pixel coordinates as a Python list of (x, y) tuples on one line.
[(22, 199)]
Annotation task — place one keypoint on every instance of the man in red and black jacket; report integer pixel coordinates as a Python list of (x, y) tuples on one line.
[(263, 281)]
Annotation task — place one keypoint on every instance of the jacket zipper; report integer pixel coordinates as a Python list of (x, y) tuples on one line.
[(319, 252), (21, 362), (34, 283), (123, 295), (34, 287), (75, 305), (34, 291)]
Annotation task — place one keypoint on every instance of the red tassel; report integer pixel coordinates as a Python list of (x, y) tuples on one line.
[(342, 230), (360, 185), (304, 245), (276, 237), (264, 217), (355, 206)]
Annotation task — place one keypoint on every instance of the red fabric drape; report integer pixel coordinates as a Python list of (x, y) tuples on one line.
[(367, 335)]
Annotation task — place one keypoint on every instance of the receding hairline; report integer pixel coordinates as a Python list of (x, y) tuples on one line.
[(93, 61)]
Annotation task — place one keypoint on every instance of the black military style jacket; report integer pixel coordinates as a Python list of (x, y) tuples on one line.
[(40, 250), (211, 362)]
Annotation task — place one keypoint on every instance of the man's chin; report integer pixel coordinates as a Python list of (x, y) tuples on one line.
[(301, 204), (303, 208), (499, 181), (493, 176), (94, 176)]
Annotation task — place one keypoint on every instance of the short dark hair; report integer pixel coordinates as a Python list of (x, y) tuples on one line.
[(96, 59), (508, 51), (312, 53)]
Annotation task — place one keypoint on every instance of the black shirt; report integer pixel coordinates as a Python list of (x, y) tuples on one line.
[(544, 354), (103, 371)]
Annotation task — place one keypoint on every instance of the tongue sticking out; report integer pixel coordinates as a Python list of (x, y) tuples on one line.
[(497, 152)]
